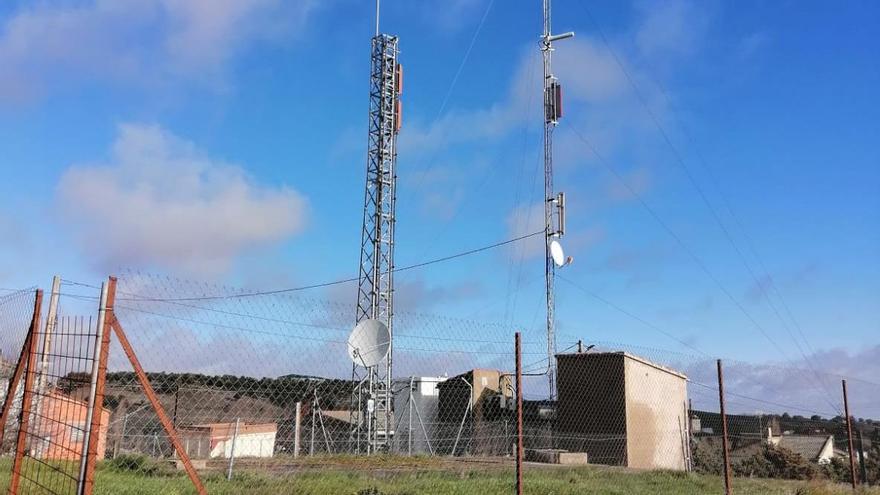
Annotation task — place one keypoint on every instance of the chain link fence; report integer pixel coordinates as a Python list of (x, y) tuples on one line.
[(16, 311), (261, 384)]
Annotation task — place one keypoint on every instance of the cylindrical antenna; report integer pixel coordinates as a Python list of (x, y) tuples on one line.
[(377, 17), (560, 203)]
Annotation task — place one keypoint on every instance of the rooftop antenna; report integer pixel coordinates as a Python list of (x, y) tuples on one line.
[(554, 204), (372, 402)]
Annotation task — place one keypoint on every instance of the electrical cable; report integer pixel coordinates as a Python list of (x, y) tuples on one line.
[(631, 315), (335, 282), (696, 259), (675, 236), (451, 87), (680, 161), (514, 264), (755, 399)]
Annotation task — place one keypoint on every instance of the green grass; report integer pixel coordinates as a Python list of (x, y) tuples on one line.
[(390, 476)]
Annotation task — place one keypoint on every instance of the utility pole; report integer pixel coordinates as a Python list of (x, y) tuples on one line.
[(554, 205)]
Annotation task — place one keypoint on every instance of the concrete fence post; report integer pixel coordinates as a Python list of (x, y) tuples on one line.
[(232, 451), (296, 430)]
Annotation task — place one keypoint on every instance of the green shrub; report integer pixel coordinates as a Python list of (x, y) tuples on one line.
[(706, 457), (776, 462), (136, 463), (837, 470)]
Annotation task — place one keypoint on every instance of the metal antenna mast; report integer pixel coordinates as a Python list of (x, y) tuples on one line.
[(372, 413), (554, 204)]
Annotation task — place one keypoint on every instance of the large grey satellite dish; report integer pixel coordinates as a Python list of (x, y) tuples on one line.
[(556, 253), (368, 343)]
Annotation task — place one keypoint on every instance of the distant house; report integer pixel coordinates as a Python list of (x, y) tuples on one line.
[(343, 416), (61, 428), (818, 449), (738, 425), (215, 440), (813, 448)]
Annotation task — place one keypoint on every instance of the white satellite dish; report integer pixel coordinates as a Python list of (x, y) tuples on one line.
[(368, 343), (556, 253)]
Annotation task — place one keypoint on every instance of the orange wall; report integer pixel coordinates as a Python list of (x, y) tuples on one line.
[(60, 426)]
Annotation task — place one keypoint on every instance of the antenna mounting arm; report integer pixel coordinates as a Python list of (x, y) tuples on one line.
[(557, 37)]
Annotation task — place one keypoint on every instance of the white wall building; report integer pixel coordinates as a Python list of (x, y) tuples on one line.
[(423, 410), (215, 440)]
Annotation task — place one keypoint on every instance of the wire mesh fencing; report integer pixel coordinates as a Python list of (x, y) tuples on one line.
[(276, 369), (645, 408), (55, 434), (47, 429), (16, 312), (792, 424), (264, 383)]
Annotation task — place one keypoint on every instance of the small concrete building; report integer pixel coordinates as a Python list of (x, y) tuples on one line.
[(469, 408), (622, 410), (215, 440), (473, 388), (416, 403), (61, 428)]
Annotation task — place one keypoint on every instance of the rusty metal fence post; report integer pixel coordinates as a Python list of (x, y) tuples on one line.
[(154, 402), (849, 439), (27, 394), (519, 416), (725, 447)]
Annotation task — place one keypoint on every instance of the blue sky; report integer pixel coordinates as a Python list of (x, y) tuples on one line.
[(225, 141)]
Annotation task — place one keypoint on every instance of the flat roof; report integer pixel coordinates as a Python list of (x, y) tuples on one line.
[(586, 355)]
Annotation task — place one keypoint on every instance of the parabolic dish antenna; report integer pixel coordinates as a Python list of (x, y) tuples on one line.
[(556, 253), (368, 343)]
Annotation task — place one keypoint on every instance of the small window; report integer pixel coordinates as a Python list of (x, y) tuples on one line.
[(77, 432)]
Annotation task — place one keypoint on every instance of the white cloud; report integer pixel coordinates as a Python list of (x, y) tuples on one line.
[(161, 202), (145, 42), (418, 295), (672, 27), (454, 14), (588, 73), (799, 387)]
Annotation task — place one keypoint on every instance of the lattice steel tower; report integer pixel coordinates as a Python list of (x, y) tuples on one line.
[(372, 398), (554, 204)]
